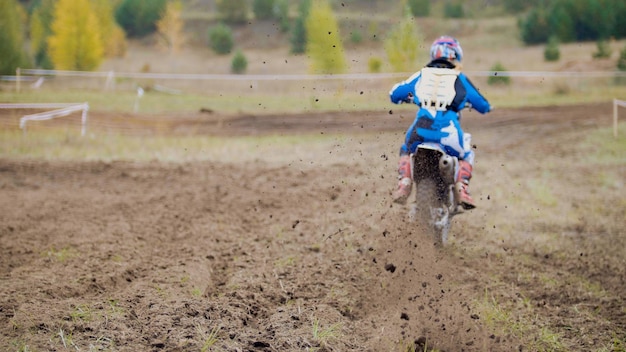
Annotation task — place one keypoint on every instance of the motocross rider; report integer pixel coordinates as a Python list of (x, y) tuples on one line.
[(441, 91)]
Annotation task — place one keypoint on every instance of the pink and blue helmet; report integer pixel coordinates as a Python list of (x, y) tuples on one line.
[(446, 47)]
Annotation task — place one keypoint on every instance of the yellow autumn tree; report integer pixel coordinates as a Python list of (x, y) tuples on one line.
[(113, 36), (402, 45), (324, 46), (76, 42), (170, 26)]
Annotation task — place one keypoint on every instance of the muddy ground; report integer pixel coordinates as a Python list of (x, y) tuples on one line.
[(298, 247)]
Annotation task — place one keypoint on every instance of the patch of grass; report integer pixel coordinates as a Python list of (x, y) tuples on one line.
[(600, 147), (617, 344), (114, 309), (196, 292), (20, 346), (82, 312), (335, 95), (51, 143), (161, 291), (287, 261), (67, 339), (504, 320), (542, 193), (323, 336), (239, 101), (60, 255), (208, 340)]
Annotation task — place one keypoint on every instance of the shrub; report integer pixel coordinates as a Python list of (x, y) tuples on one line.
[(138, 17), (402, 45), (221, 39), (552, 52), (239, 64), (604, 50), (263, 9), (356, 37), (374, 64), (496, 78)]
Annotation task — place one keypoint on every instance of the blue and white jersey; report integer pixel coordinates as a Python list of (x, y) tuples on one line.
[(437, 89)]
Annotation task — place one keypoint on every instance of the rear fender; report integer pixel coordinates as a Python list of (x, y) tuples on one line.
[(430, 160)]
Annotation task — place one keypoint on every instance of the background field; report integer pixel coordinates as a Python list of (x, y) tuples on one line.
[(235, 218)]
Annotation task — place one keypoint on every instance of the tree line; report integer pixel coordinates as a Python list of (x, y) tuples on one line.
[(574, 20), (80, 34)]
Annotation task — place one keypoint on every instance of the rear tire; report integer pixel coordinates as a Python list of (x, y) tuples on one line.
[(430, 213)]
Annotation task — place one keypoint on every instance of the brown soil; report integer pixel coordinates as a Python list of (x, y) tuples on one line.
[(304, 252)]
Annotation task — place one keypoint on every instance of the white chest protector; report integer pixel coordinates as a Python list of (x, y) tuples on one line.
[(435, 89)]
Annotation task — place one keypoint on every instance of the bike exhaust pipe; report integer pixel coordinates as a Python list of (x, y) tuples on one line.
[(446, 168)]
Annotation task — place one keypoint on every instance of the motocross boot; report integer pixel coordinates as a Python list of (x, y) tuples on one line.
[(462, 185), (404, 185)]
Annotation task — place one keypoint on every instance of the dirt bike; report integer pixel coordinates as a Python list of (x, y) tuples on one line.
[(433, 172)]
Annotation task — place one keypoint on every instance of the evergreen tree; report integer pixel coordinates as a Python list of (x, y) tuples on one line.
[(76, 42), (574, 20), (281, 13), (40, 29), (298, 34), (518, 6), (263, 9), (170, 26), (139, 17), (324, 45), (535, 28), (402, 45), (11, 37), (561, 24), (619, 26), (594, 20), (453, 9)]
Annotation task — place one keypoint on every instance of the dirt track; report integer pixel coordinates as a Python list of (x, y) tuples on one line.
[(305, 251)]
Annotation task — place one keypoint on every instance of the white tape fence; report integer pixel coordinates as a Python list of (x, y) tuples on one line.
[(62, 109), (107, 80)]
